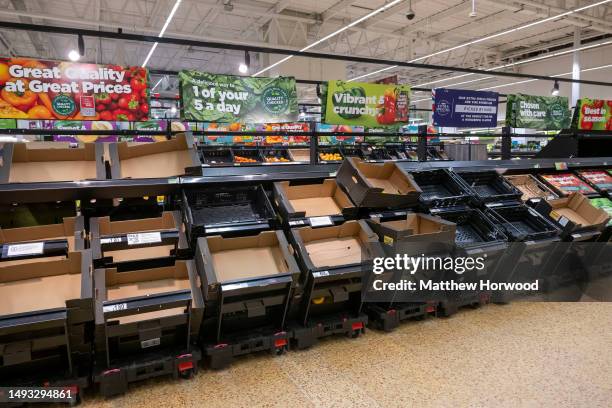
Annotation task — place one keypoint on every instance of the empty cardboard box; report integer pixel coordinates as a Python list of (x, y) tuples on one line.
[(134, 244), (169, 158), (416, 234), (374, 185), (146, 310), (531, 187), (574, 213), (245, 258), (22, 163), (312, 200), (349, 244)]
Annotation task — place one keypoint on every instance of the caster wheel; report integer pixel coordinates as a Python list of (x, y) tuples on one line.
[(355, 334), (186, 374), (279, 351)]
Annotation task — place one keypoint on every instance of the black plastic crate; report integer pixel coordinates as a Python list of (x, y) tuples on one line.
[(380, 153), (252, 154), (396, 151), (473, 228), (440, 188), (521, 223), (229, 211), (352, 151), (489, 186), (275, 155), (216, 155)]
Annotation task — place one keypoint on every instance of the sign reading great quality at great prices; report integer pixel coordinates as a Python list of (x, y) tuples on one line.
[(226, 98), (38, 89)]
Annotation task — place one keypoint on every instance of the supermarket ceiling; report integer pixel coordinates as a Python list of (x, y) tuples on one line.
[(485, 34)]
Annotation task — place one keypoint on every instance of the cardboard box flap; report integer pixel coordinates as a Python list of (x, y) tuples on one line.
[(41, 267), (127, 151), (388, 177), (40, 232), (163, 223), (22, 154), (415, 225)]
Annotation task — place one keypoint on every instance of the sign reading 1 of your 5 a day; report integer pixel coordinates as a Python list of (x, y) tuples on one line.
[(461, 108), (226, 98)]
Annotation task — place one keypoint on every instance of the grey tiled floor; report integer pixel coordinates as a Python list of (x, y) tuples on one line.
[(517, 355)]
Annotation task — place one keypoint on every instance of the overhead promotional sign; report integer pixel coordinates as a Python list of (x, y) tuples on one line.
[(364, 104), (463, 108), (37, 89), (225, 98), (592, 114), (537, 112)]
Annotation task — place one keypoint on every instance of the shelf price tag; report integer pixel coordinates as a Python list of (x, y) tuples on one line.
[(31, 248), (144, 238), (320, 221), (560, 166)]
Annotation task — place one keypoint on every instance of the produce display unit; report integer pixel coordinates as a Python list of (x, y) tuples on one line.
[(476, 233), (45, 335)]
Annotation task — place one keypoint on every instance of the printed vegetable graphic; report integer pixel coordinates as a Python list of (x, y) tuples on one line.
[(592, 114), (34, 89), (386, 115)]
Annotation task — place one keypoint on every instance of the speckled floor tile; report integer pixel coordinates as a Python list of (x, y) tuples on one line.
[(517, 355)]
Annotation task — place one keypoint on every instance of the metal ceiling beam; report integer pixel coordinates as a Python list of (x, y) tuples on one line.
[(272, 50), (336, 9)]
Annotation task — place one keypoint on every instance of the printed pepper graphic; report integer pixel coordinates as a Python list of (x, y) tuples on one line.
[(338, 100), (20, 100), (386, 113)]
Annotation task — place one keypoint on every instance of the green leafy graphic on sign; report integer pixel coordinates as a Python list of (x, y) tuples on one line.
[(225, 98), (537, 112), (592, 114), (382, 106)]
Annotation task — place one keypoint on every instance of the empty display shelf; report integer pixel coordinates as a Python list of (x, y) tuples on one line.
[(227, 211), (440, 188), (488, 186)]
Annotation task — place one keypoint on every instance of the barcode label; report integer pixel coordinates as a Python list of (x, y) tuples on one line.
[(31, 248), (111, 240), (144, 238), (114, 308), (320, 221), (150, 343)]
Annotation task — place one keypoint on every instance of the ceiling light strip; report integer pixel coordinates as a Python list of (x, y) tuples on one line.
[(162, 32), (327, 37), (512, 30)]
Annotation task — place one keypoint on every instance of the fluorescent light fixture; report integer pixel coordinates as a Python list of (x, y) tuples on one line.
[(335, 33), (541, 57), (479, 40), (163, 30)]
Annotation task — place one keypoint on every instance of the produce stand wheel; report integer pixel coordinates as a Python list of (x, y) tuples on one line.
[(355, 333), (186, 374)]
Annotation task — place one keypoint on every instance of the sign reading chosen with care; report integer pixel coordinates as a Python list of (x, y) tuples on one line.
[(593, 114), (463, 108), (363, 104), (37, 89), (537, 112), (226, 98)]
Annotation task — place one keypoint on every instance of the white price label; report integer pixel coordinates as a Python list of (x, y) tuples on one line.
[(144, 238), (296, 222), (150, 343), (320, 221), (110, 240), (319, 274), (114, 308), (563, 221), (31, 248)]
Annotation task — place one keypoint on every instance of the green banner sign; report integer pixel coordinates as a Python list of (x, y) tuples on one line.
[(225, 98), (363, 104), (592, 114), (537, 112)]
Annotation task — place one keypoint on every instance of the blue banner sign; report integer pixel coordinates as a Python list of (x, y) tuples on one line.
[(462, 108)]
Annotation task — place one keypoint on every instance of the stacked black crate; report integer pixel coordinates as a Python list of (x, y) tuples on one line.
[(247, 273), (148, 304), (46, 335), (461, 199)]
